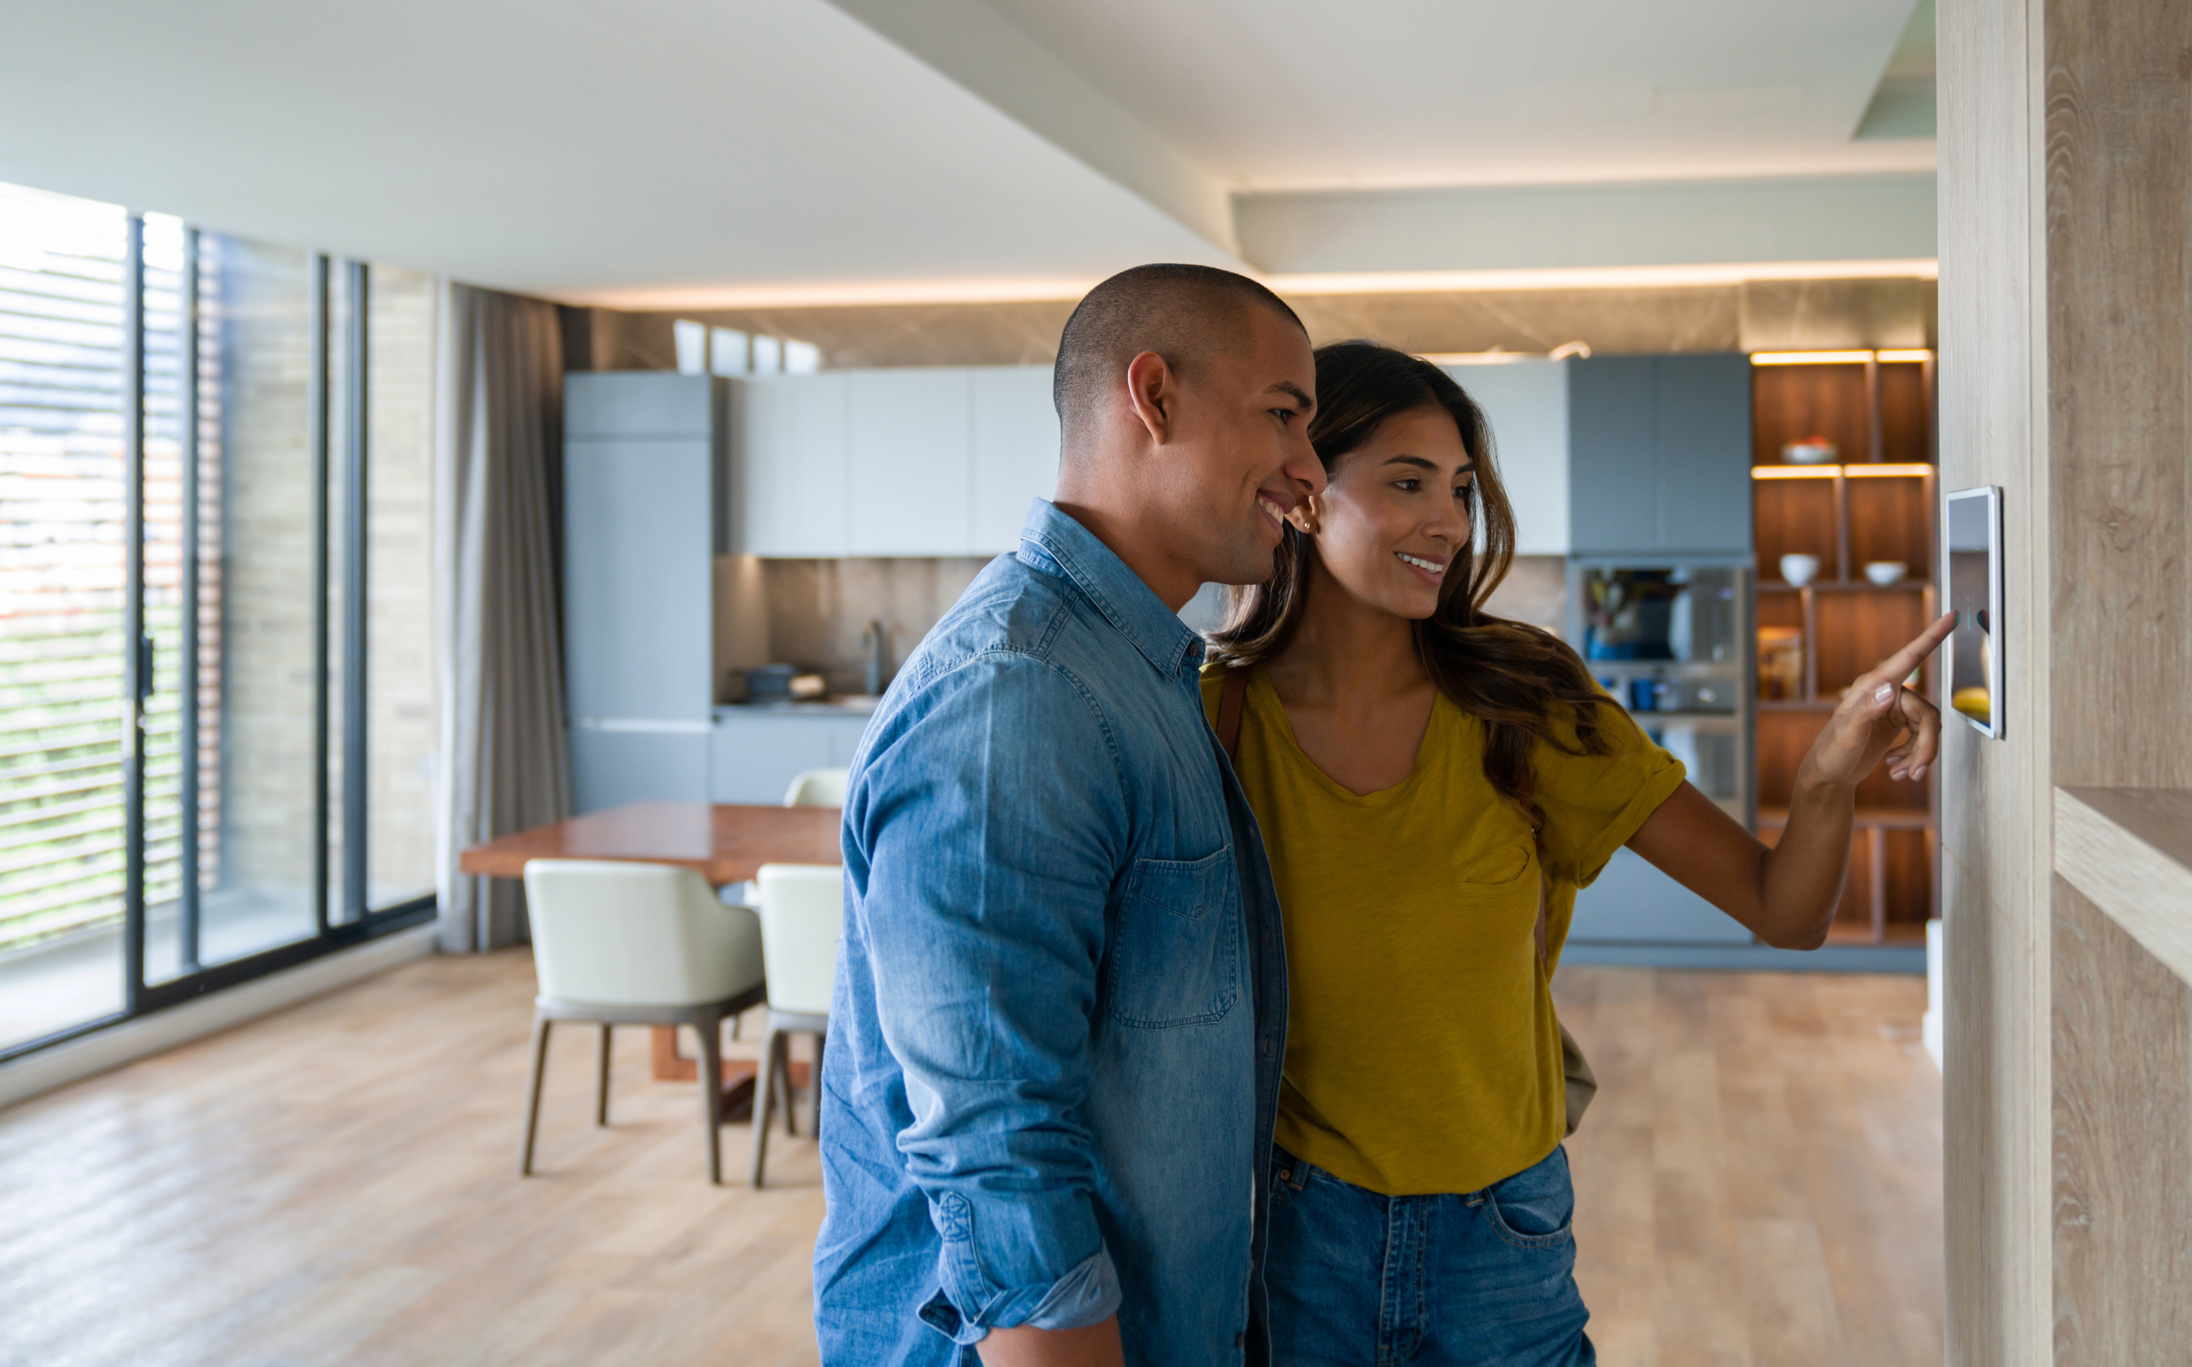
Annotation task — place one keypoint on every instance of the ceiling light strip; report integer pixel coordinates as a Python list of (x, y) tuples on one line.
[(1882, 470), (1810, 357), (1892, 357)]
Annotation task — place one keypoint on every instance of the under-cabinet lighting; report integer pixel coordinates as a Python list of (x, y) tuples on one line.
[(1810, 357), (1917, 354), (1495, 356), (1884, 470), (1795, 471)]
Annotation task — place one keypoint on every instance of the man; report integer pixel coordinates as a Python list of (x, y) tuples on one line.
[(1061, 999)]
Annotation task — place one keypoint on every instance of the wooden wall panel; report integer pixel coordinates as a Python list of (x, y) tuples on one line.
[(2123, 1146), (2120, 428), (1995, 808), (2119, 329)]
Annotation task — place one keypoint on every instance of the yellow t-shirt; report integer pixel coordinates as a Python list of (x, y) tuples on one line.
[(1422, 1051)]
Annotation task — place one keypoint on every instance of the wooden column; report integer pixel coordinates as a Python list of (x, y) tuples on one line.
[(1997, 1160), (2066, 328)]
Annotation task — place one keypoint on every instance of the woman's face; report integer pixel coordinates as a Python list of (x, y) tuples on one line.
[(1395, 513)]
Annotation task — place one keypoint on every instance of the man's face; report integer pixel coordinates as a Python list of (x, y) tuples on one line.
[(1238, 457)]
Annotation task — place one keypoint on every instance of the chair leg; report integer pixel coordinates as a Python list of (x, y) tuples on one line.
[(784, 1082), (711, 1092), (532, 1092), (601, 1080), (771, 1046), (814, 1085)]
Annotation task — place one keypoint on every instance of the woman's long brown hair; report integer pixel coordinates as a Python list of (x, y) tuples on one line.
[(1512, 676)]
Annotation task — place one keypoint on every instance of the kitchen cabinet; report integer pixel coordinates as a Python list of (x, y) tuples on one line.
[(638, 577), (1659, 455), (638, 762), (1016, 443), (1701, 436), (909, 462), (1526, 403), (755, 753), (792, 451), (645, 513), (1631, 902), (919, 461)]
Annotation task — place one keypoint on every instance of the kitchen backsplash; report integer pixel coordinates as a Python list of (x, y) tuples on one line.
[(819, 610)]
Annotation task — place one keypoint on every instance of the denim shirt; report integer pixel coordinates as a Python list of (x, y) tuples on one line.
[(1060, 1004)]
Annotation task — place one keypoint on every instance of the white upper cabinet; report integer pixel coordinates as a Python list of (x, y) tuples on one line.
[(1016, 444), (792, 456), (910, 464), (919, 461), (1527, 405)]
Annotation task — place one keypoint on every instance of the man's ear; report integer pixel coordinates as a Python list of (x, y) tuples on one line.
[(1153, 390)]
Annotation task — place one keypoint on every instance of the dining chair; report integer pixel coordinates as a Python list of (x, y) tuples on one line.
[(802, 909), (617, 942), (818, 788)]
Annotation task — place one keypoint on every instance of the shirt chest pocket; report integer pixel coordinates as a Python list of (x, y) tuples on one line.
[(1176, 951)]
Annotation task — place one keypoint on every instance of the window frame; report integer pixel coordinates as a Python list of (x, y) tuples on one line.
[(355, 921)]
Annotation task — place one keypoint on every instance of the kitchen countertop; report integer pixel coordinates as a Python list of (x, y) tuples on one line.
[(849, 706)]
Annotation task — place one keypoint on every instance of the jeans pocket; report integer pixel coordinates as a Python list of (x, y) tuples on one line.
[(1175, 951), (1535, 1208)]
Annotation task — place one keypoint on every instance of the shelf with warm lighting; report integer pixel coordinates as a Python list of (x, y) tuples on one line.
[(1873, 407), (1876, 503)]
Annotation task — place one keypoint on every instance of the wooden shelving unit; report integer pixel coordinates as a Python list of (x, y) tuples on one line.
[(1878, 503)]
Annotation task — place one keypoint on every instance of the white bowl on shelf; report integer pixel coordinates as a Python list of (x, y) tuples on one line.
[(1799, 570), (1885, 572)]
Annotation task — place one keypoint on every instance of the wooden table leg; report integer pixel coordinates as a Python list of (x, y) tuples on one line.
[(669, 1064), (738, 1073)]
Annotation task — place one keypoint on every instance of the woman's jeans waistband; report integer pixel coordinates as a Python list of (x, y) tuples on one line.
[(1483, 1277)]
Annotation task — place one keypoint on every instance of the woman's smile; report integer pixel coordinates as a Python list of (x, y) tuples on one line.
[(1432, 570)]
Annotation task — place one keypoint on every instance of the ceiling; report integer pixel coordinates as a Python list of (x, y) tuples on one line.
[(657, 153), (1296, 94)]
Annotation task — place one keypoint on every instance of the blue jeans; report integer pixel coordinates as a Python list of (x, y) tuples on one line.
[(1363, 1280)]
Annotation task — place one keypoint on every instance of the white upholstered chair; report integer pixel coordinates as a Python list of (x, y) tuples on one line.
[(818, 788), (622, 943), (802, 910)]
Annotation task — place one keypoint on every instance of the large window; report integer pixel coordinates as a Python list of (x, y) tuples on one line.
[(215, 683)]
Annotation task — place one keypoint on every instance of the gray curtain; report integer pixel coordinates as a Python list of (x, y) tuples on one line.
[(498, 639)]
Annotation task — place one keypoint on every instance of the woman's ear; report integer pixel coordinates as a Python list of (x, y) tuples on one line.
[(1304, 516)]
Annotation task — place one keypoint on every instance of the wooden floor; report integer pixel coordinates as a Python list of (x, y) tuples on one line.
[(1759, 1182)]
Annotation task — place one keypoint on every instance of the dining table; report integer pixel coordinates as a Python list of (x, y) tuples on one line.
[(723, 842)]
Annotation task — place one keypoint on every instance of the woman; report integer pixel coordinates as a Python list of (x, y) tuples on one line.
[(1433, 785)]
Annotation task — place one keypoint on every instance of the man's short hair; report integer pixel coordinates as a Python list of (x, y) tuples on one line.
[(1185, 314)]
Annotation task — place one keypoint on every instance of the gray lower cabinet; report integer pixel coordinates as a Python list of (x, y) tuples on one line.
[(1633, 903), (754, 756)]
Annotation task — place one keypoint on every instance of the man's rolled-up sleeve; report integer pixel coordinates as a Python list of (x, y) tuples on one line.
[(991, 827)]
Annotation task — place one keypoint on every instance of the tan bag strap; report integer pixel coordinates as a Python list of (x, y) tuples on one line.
[(1541, 914), (1230, 700)]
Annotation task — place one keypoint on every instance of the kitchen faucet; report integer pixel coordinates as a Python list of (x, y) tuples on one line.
[(875, 640)]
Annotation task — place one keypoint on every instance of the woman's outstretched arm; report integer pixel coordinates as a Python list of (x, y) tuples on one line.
[(1786, 895)]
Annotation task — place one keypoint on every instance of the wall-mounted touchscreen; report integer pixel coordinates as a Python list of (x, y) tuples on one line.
[(1975, 596)]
